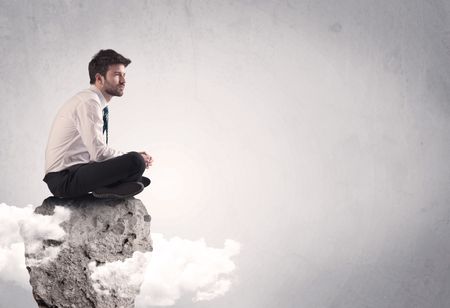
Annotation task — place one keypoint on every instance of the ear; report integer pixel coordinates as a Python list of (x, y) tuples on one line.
[(99, 78)]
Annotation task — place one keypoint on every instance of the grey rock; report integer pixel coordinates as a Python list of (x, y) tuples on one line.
[(98, 231)]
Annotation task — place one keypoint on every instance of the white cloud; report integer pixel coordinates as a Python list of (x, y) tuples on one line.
[(125, 277), (175, 267), (9, 227), (17, 224), (179, 266), (12, 251), (35, 228), (12, 265)]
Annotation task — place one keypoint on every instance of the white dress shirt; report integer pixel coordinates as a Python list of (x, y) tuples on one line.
[(76, 135)]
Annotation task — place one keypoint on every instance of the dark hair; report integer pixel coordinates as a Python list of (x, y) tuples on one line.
[(102, 60)]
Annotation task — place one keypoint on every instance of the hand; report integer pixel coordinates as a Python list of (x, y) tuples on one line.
[(147, 158)]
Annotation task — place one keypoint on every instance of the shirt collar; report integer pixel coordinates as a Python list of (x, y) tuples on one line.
[(103, 101)]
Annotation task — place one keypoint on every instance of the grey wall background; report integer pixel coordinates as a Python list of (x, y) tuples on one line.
[(315, 133)]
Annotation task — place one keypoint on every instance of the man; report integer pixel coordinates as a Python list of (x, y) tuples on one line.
[(77, 158)]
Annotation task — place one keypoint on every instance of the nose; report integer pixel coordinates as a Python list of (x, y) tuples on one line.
[(122, 79)]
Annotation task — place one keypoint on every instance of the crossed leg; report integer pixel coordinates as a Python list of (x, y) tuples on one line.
[(81, 179)]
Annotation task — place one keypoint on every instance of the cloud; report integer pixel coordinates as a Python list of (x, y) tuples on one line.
[(125, 277), (175, 268), (179, 266), (17, 224), (12, 250), (35, 228)]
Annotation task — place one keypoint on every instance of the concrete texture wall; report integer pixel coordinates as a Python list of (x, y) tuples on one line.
[(316, 133)]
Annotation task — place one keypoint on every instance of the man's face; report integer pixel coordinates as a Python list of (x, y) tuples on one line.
[(114, 83)]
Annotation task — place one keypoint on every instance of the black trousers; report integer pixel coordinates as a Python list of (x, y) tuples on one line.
[(79, 180)]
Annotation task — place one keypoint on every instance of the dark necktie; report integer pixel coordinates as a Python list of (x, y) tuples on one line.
[(105, 122)]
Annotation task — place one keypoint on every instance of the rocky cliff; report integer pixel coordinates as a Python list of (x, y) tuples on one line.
[(85, 265)]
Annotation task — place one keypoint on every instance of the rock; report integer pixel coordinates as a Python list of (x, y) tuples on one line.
[(68, 270)]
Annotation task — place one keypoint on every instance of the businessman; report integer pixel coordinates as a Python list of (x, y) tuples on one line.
[(78, 160)]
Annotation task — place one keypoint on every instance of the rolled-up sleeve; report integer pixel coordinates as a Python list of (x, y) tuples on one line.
[(90, 125)]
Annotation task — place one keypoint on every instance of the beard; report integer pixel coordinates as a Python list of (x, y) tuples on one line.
[(114, 90)]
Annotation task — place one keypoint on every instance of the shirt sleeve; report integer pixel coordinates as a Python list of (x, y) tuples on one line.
[(90, 126)]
